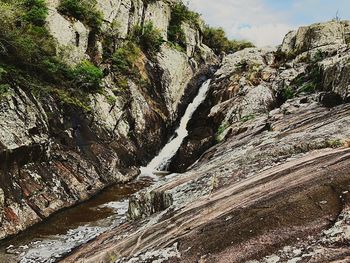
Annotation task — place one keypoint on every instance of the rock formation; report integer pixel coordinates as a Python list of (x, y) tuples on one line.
[(272, 180), (54, 155), (264, 169)]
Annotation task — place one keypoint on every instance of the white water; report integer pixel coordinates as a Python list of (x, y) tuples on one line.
[(160, 162)]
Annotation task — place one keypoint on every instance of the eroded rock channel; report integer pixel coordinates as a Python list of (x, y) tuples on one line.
[(69, 229), (64, 231), (274, 185), (129, 140)]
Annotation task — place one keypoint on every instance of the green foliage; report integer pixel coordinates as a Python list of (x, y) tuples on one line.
[(24, 42), (216, 39), (147, 2), (77, 100), (87, 77), (220, 131), (319, 56), (308, 87), (237, 45), (122, 84), (308, 82), (180, 14), (83, 10), (4, 89), (176, 35), (110, 38), (124, 58), (28, 54), (333, 143), (282, 57), (147, 37), (288, 93), (37, 12), (178, 47), (242, 65), (3, 72), (111, 100), (124, 65), (247, 118)]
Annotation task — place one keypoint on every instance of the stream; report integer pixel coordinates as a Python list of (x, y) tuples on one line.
[(70, 228)]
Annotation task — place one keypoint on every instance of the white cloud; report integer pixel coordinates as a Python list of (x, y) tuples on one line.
[(264, 34), (245, 19)]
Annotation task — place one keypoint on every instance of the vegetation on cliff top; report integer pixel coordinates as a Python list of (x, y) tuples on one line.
[(28, 52), (147, 37), (37, 12), (83, 10), (28, 49), (216, 39), (181, 14)]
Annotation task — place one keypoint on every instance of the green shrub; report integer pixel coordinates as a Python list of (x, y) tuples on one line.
[(124, 58), (308, 87), (83, 10), (308, 82), (176, 35), (124, 65), (3, 72), (73, 100), (147, 2), (111, 100), (4, 88), (180, 48), (288, 93), (237, 45), (28, 56), (87, 77), (220, 131), (242, 65), (147, 37), (37, 12), (247, 118), (122, 84), (23, 41), (216, 39), (334, 143), (180, 14), (110, 39)]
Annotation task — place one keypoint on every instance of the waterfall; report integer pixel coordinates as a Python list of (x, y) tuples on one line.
[(164, 157)]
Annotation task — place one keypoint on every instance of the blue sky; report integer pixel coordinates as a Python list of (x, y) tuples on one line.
[(265, 22)]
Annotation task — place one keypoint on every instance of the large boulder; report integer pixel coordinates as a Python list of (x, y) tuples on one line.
[(192, 38), (71, 36), (176, 73), (315, 36), (335, 75), (23, 122), (159, 14)]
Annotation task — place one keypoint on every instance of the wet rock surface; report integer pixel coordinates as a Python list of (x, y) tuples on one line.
[(66, 230), (54, 155), (266, 163), (274, 187)]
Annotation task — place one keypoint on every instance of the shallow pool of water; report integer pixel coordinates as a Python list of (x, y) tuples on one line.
[(72, 227)]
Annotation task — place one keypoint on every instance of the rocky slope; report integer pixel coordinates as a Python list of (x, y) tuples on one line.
[(54, 154), (275, 186)]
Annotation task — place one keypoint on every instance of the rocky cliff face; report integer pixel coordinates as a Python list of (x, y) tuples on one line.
[(252, 82), (275, 186), (53, 155)]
